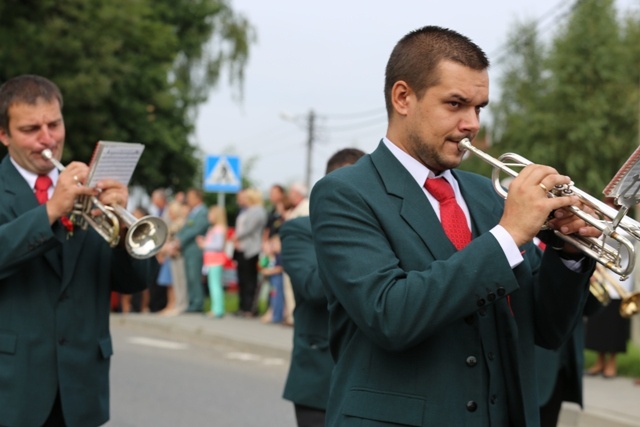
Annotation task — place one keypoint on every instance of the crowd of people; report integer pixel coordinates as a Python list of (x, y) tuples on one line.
[(205, 256)]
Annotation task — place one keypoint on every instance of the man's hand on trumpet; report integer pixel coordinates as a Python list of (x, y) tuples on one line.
[(112, 193), (67, 190), (528, 207)]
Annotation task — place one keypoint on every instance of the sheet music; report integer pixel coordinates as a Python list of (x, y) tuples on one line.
[(625, 185), (114, 160)]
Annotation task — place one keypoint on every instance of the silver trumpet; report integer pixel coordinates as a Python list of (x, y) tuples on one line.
[(599, 287), (144, 237), (609, 218)]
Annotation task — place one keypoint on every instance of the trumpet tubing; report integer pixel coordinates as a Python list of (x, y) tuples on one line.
[(595, 248), (144, 237)]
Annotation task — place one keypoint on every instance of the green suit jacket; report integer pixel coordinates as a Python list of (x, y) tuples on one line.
[(568, 360), (54, 311), (406, 308), (311, 364)]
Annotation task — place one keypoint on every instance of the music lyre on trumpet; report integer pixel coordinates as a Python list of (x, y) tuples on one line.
[(610, 219), (144, 237)]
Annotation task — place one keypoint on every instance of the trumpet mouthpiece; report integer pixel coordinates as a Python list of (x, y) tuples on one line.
[(464, 144), (48, 154)]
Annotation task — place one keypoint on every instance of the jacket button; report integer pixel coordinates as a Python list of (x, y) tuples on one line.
[(491, 297), (481, 302), (62, 341), (501, 292), (471, 361), (472, 406)]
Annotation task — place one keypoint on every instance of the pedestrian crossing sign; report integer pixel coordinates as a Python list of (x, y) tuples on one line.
[(222, 174)]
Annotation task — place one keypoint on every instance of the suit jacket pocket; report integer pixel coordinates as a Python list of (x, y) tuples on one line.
[(8, 342), (401, 409), (106, 348)]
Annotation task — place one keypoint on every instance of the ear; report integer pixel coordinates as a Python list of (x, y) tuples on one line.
[(401, 97), (4, 137)]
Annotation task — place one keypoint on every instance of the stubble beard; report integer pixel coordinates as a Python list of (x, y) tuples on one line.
[(430, 155)]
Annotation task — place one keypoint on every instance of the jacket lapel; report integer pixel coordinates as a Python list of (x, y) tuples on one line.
[(482, 220), (415, 209), (71, 248), (20, 199)]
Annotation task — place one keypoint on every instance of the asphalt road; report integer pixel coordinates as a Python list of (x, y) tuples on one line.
[(158, 380)]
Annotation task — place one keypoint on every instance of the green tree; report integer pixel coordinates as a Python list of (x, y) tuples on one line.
[(130, 70), (574, 105)]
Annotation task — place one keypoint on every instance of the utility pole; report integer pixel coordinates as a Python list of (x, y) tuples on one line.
[(311, 130)]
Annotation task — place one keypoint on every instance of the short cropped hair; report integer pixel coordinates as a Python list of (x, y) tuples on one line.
[(26, 89), (344, 157), (416, 57)]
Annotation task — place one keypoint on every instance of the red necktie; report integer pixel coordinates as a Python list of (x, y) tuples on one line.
[(43, 182), (451, 216)]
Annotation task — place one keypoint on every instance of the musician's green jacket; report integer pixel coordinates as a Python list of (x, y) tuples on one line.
[(311, 365), (422, 334), (54, 311)]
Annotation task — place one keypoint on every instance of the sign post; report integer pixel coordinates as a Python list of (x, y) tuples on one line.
[(222, 174)]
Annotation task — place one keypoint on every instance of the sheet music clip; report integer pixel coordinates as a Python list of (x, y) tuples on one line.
[(625, 186)]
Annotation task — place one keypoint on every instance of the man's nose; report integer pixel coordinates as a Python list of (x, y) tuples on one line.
[(45, 135), (470, 122)]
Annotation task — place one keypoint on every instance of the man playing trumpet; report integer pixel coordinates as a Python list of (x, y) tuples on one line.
[(55, 345), (436, 292)]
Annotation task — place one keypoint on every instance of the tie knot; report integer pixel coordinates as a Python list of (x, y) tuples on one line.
[(440, 189), (43, 182)]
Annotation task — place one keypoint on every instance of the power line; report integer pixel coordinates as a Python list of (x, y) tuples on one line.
[(357, 126), (503, 50), (350, 116)]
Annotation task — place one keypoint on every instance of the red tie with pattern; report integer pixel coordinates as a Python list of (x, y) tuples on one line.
[(451, 215), (43, 182)]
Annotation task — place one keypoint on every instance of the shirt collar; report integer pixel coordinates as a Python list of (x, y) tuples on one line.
[(418, 171), (31, 177)]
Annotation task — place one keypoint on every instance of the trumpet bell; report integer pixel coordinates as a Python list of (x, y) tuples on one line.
[(630, 305), (146, 237)]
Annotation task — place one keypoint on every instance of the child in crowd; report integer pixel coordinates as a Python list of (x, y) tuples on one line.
[(272, 270), (214, 257)]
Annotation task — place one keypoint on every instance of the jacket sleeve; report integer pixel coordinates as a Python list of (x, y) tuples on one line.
[(299, 260)]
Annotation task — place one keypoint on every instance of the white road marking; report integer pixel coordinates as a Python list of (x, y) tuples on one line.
[(250, 357), (152, 342)]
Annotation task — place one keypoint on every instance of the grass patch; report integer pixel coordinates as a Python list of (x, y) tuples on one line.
[(628, 363), (231, 302)]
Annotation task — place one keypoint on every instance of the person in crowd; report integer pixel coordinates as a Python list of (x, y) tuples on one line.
[(297, 196), (174, 278), (435, 284), (279, 205), (307, 384), (196, 224), (139, 302), (247, 241), (271, 269), (158, 205), (215, 257), (55, 277), (157, 293)]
